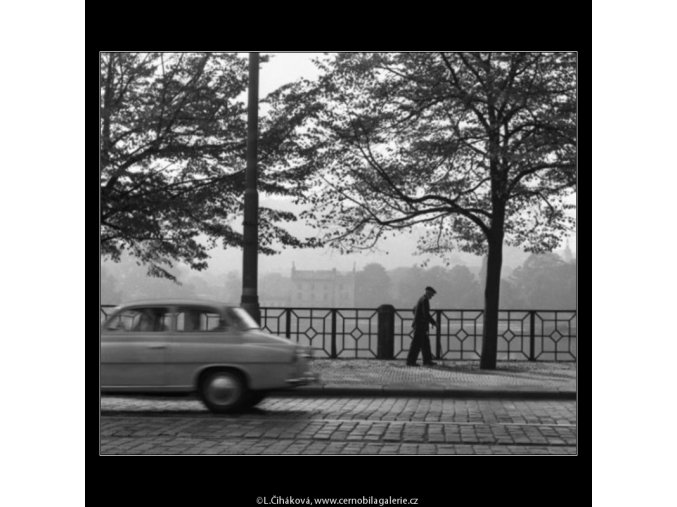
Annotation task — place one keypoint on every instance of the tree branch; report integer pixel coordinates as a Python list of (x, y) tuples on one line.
[(534, 169), (469, 98)]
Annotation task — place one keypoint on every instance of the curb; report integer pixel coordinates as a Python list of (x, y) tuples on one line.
[(425, 392)]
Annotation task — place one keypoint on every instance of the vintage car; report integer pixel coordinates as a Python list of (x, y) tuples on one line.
[(211, 348)]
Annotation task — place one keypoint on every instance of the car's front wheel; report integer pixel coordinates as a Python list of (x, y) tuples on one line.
[(223, 391)]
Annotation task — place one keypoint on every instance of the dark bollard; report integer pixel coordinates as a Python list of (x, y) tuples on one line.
[(386, 332)]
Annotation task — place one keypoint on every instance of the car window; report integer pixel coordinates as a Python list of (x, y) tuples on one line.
[(241, 318), (193, 320), (140, 320)]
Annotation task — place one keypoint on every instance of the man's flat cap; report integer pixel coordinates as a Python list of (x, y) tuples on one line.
[(431, 290)]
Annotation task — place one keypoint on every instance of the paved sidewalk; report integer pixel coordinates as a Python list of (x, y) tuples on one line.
[(453, 379)]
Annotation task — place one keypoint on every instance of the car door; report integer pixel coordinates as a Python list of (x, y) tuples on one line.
[(201, 337), (134, 347)]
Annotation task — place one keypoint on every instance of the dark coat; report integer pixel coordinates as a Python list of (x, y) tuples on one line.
[(422, 317)]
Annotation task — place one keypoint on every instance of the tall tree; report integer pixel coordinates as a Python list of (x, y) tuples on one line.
[(172, 153), (478, 148)]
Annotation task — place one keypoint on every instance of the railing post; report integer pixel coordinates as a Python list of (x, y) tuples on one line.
[(386, 332), (532, 335), (438, 334), (333, 333), (287, 330)]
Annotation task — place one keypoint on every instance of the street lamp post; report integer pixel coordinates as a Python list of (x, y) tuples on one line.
[(250, 298)]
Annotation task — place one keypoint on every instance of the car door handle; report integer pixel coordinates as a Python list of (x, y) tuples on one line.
[(157, 347)]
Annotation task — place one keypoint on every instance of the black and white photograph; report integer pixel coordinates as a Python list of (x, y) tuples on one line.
[(339, 265), (338, 253)]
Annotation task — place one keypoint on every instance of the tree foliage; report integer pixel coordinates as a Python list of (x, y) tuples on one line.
[(439, 140), (478, 148), (172, 152)]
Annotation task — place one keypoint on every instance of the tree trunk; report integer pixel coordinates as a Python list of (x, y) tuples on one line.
[(491, 299)]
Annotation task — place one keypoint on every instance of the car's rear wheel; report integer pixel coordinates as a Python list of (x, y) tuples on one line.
[(223, 391)]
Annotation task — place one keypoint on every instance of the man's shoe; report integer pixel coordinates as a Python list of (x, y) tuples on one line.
[(413, 364), (430, 363)]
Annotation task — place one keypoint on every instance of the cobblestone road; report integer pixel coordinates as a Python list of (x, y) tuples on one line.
[(339, 426)]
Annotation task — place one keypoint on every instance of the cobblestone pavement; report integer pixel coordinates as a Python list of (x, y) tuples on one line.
[(157, 425)]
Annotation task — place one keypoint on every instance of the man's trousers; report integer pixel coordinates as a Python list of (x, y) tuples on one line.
[(420, 343)]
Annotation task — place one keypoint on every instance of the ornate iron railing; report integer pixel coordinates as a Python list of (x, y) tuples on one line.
[(546, 335), (534, 335), (330, 332)]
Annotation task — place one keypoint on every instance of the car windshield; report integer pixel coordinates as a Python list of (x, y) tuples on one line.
[(242, 318)]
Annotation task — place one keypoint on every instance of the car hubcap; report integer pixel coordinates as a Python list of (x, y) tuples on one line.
[(223, 389)]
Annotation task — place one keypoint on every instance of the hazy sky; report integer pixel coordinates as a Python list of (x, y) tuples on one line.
[(284, 68)]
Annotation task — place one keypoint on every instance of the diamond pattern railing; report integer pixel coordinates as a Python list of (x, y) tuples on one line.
[(329, 332), (522, 334), (534, 335)]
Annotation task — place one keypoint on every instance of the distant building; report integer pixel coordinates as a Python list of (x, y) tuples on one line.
[(326, 288), (275, 290)]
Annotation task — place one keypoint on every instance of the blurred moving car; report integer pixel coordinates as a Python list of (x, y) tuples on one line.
[(210, 348)]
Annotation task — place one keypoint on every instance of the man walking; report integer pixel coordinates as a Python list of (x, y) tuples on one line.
[(422, 319)]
